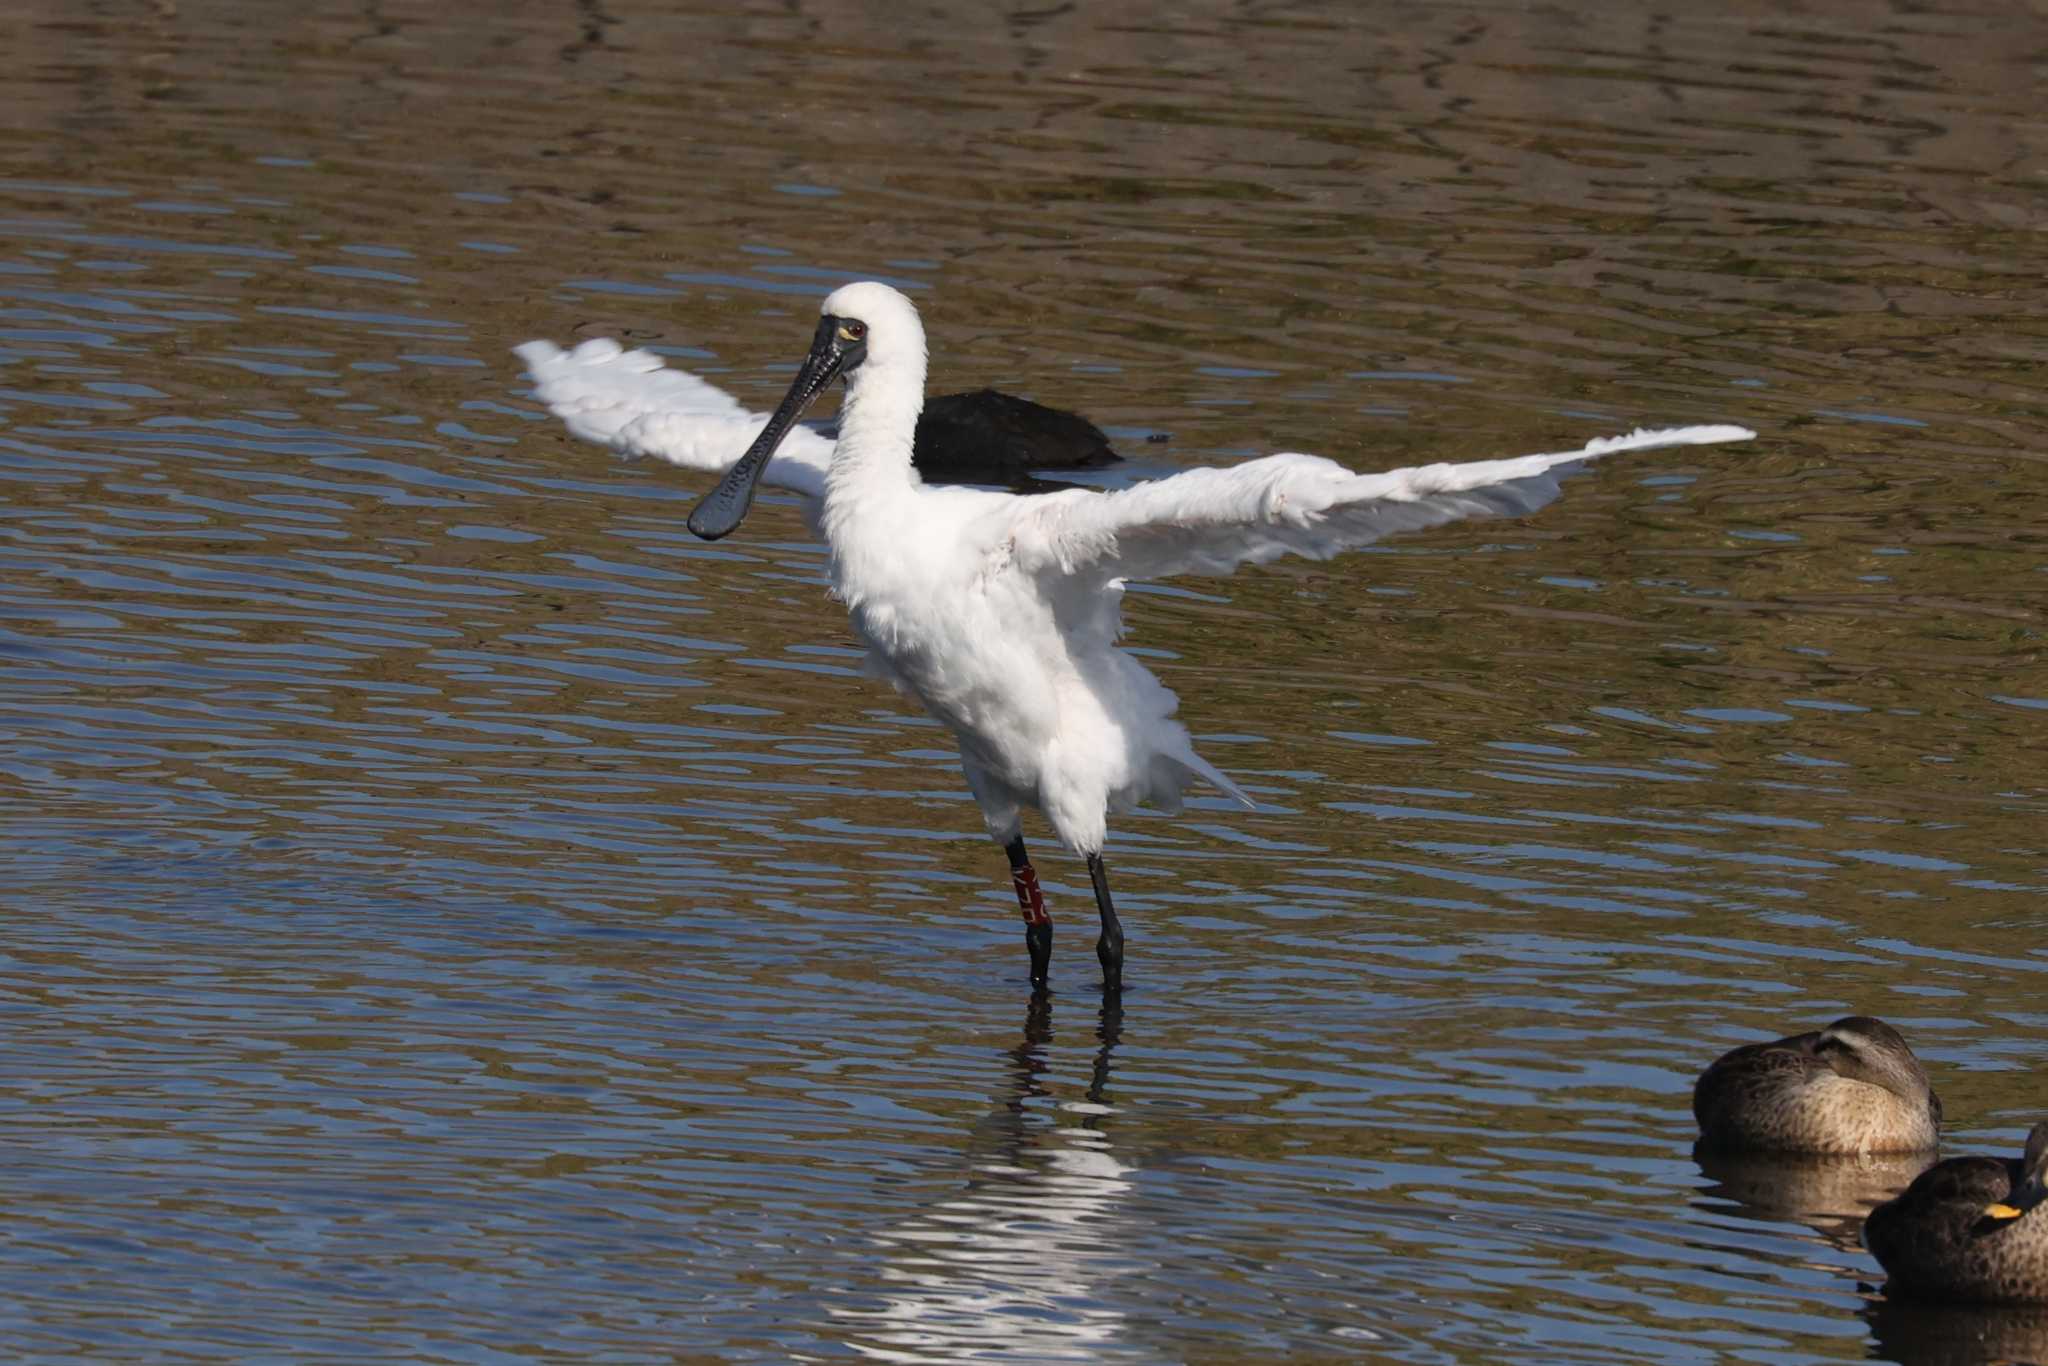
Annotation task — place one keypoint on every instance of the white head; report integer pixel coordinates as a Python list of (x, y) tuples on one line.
[(893, 342), (867, 332)]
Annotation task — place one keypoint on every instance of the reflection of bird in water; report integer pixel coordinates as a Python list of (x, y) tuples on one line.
[(1854, 1087), (1970, 1228), (1918, 1334), (1828, 1193), (1014, 1266), (1000, 614)]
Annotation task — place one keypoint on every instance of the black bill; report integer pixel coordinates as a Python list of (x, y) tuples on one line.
[(833, 351)]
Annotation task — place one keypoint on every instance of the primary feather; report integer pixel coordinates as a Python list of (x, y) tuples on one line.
[(1209, 521)]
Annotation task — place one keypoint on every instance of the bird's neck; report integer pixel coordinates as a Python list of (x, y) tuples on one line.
[(871, 462)]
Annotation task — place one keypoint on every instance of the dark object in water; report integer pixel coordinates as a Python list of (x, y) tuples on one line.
[(989, 437)]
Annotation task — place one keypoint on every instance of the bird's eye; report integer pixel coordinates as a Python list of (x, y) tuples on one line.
[(853, 329)]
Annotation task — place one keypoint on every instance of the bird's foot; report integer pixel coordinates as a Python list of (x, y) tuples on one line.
[(1109, 951), (1038, 939)]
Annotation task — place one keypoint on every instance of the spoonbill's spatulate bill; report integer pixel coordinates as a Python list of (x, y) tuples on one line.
[(1000, 613)]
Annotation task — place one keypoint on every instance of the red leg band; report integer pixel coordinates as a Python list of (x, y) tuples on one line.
[(1030, 900)]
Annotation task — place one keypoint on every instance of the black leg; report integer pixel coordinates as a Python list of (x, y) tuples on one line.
[(1109, 948), (1031, 901)]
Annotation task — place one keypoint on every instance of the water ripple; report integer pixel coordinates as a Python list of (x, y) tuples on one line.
[(456, 913)]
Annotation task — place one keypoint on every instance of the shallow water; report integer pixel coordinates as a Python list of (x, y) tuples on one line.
[(454, 913)]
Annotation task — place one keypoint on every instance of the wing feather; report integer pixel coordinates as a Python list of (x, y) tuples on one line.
[(1208, 521), (632, 402)]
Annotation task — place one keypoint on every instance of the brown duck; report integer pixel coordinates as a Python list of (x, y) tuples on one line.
[(1970, 1228), (1854, 1087)]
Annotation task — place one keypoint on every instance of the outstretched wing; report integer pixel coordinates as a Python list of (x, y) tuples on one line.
[(630, 401), (1208, 521)]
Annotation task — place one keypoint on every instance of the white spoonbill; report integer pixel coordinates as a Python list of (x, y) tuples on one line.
[(998, 612)]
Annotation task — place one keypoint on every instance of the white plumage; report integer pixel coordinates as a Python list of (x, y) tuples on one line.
[(632, 402), (999, 612)]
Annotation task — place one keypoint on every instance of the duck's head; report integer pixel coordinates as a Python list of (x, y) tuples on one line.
[(1864, 1048), (2031, 1187), (868, 333)]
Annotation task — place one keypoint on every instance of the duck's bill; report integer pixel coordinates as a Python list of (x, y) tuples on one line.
[(725, 507)]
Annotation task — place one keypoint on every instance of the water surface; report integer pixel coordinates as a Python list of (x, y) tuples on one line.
[(453, 913)]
